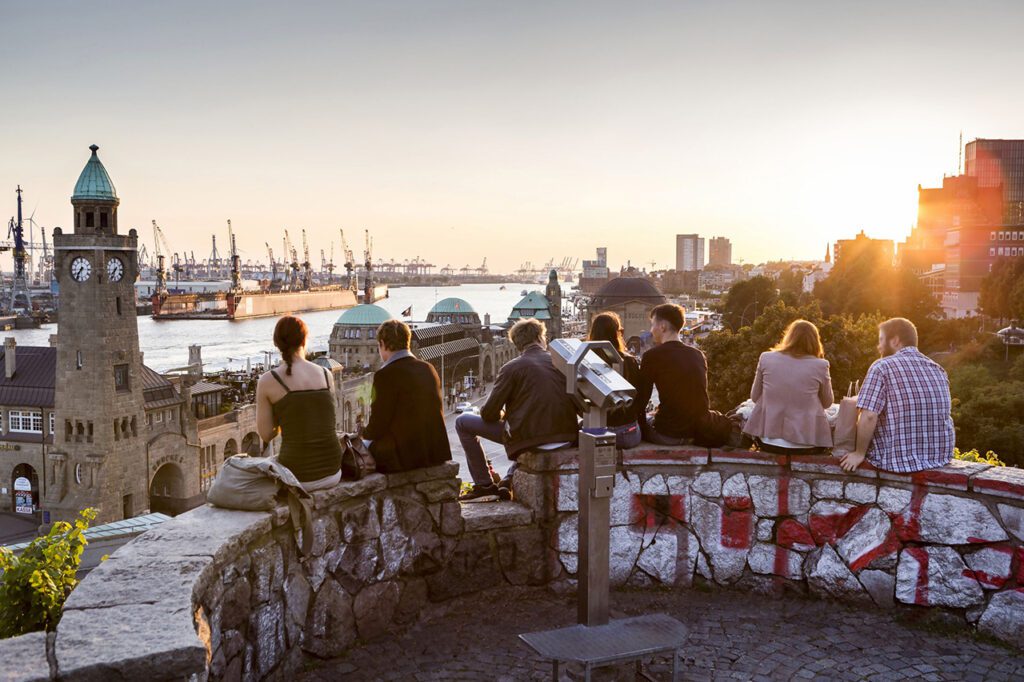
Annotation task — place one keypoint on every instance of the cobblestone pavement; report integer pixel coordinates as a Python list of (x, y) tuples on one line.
[(733, 636)]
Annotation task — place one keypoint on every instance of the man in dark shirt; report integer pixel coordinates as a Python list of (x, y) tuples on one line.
[(406, 426), (680, 373), (528, 408)]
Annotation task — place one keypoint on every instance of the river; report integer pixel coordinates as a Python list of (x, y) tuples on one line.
[(229, 344)]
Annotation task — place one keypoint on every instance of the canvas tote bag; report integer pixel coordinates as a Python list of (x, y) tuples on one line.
[(252, 484), (845, 436)]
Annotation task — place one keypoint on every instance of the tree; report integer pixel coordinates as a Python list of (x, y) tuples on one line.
[(1002, 291), (746, 300), (864, 284)]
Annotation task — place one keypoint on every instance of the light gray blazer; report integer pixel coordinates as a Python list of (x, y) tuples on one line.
[(790, 395)]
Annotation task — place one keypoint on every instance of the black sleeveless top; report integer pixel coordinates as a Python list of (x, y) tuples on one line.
[(309, 444)]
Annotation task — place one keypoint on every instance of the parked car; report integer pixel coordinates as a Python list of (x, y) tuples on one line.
[(467, 407)]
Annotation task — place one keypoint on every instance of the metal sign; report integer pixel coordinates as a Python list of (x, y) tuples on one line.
[(22, 483)]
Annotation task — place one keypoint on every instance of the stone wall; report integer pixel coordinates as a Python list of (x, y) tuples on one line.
[(951, 539), (222, 594)]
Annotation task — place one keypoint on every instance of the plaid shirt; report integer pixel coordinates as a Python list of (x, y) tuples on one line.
[(910, 394)]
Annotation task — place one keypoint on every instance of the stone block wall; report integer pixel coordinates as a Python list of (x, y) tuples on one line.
[(951, 539), (220, 594)]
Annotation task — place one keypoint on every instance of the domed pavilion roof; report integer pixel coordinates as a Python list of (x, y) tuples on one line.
[(624, 289), (94, 183), (364, 315), (452, 306), (534, 304)]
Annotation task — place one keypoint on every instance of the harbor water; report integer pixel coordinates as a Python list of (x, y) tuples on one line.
[(229, 344)]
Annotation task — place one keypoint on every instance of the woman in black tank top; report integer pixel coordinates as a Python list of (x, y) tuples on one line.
[(300, 405)]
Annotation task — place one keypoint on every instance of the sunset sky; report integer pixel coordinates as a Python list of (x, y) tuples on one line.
[(514, 130)]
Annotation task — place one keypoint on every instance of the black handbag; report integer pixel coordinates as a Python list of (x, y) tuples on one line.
[(356, 460)]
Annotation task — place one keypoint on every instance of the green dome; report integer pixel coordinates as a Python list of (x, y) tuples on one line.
[(365, 315), (94, 183), (534, 304), (452, 306)]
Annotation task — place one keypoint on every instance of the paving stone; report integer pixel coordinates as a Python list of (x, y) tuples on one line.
[(489, 515)]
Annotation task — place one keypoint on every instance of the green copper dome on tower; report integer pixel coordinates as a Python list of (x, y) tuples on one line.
[(94, 183)]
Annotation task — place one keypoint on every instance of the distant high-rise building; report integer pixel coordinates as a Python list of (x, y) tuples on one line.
[(689, 252), (719, 251), (595, 272), (998, 163)]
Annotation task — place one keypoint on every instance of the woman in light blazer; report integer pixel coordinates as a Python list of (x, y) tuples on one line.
[(791, 390)]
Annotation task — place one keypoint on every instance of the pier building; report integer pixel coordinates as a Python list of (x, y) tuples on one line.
[(632, 299)]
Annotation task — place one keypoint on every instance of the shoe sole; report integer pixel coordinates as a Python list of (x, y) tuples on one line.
[(482, 498)]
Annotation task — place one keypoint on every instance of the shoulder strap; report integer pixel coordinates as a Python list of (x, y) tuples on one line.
[(327, 379), (286, 389)]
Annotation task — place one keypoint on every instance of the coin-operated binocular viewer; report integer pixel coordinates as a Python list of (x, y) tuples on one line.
[(598, 388)]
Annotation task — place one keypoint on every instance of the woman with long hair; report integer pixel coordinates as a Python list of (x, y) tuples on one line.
[(298, 402), (622, 421), (792, 387)]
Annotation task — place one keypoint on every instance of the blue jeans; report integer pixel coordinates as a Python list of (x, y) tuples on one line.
[(626, 436), (470, 429)]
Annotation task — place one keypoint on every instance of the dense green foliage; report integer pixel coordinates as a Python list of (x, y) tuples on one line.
[(864, 284), (746, 300), (1002, 292), (36, 583)]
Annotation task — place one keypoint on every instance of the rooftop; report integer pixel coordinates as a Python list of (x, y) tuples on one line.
[(34, 377), (624, 289), (364, 315), (452, 306), (94, 182), (534, 304)]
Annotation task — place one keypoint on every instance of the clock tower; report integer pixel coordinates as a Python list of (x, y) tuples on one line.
[(99, 442)]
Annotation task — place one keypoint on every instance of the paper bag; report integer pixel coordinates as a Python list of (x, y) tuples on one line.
[(845, 436)]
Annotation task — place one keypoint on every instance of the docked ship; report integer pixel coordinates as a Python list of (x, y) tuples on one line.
[(295, 294)]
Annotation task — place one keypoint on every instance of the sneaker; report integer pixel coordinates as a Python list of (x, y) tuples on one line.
[(481, 493), (505, 494)]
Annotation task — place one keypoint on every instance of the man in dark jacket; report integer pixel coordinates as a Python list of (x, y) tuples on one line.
[(681, 374), (537, 412), (406, 426)]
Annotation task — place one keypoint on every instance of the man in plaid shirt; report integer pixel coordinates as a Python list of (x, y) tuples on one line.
[(904, 405)]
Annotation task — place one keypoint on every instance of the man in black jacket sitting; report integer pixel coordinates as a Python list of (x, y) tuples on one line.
[(680, 373), (406, 426), (537, 412)]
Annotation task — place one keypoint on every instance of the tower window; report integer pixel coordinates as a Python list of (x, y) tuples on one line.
[(121, 378), (103, 219), (78, 360), (117, 302), (90, 220)]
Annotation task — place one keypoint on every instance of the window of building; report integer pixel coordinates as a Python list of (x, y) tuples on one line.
[(992, 251), (103, 219), (992, 235), (121, 378), (118, 304), (26, 421), (78, 359), (53, 423), (89, 219), (158, 417), (999, 251), (1002, 236), (169, 415)]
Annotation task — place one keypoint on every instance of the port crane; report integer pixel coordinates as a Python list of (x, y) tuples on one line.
[(236, 269), (273, 264), (159, 245), (482, 270), (213, 263), (307, 267), (293, 265), (350, 264), (19, 287)]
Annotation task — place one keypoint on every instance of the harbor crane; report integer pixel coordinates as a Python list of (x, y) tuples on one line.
[(159, 247), (273, 264), (307, 267), (19, 287), (293, 265), (482, 270), (350, 263), (213, 263), (236, 262)]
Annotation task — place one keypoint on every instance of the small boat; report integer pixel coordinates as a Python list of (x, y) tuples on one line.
[(524, 292), (501, 288)]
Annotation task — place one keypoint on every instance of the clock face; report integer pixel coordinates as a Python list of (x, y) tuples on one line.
[(115, 269), (81, 268)]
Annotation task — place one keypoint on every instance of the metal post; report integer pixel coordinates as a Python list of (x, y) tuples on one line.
[(596, 478)]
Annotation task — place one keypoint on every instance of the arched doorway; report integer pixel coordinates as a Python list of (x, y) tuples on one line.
[(24, 489), (167, 491), (251, 444), (230, 448), (488, 369)]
